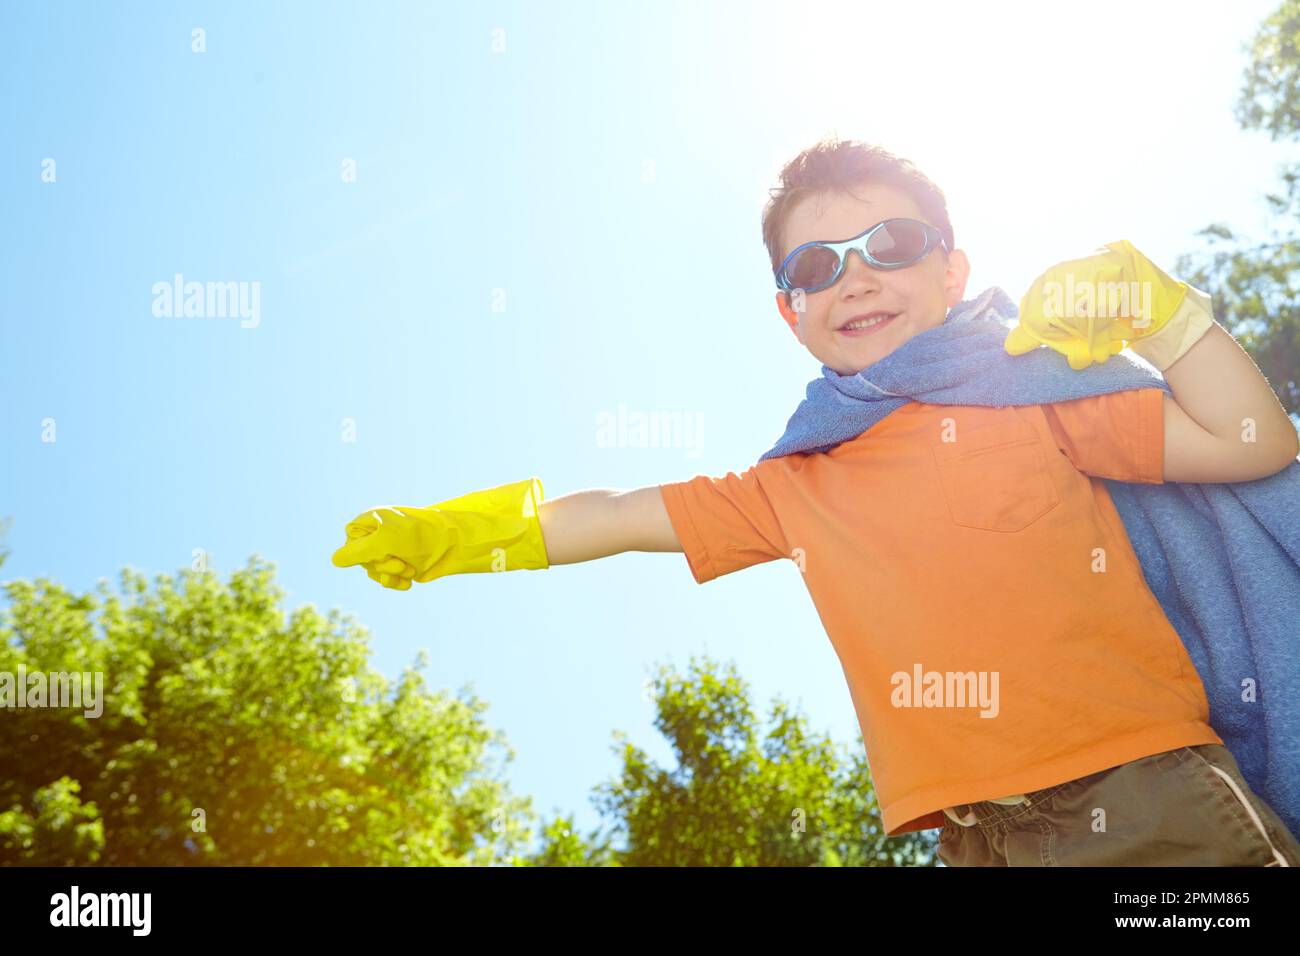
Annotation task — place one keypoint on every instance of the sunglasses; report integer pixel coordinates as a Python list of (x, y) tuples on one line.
[(892, 244)]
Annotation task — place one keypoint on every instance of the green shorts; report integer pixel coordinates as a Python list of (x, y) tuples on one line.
[(1184, 807)]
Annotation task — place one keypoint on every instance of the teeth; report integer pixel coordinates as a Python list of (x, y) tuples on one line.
[(866, 323)]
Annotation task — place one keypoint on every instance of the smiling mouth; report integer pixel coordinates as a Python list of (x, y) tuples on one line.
[(856, 329)]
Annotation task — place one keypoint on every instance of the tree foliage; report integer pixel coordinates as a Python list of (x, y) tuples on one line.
[(231, 734), (1255, 285), (741, 796)]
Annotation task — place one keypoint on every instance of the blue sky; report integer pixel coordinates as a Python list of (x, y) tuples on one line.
[(555, 213)]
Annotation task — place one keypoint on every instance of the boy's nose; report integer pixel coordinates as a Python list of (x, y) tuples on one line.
[(858, 274)]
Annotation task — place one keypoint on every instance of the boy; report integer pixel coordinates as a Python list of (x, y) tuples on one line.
[(1090, 742)]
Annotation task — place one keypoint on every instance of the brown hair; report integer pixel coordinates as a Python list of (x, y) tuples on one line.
[(834, 164)]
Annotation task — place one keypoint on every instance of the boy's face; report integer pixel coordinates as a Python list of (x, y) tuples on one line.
[(920, 294)]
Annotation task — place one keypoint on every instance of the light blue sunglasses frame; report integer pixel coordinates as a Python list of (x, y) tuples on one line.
[(860, 242)]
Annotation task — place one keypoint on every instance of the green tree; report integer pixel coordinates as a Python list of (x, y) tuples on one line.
[(789, 799), (563, 846), (1255, 286), (233, 735)]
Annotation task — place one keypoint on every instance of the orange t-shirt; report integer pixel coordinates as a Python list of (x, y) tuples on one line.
[(979, 588)]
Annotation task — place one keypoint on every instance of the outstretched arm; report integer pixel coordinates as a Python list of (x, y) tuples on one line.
[(509, 527), (585, 525)]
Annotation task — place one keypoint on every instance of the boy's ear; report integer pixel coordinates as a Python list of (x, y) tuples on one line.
[(789, 314), (955, 275)]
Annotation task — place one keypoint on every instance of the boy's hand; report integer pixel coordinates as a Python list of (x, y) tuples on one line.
[(390, 542), (496, 529), (393, 573), (1088, 308)]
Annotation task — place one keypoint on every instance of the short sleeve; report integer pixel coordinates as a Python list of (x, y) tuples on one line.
[(1118, 435), (724, 524)]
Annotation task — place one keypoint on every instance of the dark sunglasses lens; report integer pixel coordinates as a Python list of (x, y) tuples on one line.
[(897, 242), (812, 267)]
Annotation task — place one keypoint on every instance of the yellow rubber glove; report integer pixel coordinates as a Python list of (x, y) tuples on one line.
[(497, 529), (1089, 308)]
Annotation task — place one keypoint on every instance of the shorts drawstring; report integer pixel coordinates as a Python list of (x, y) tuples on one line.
[(968, 818)]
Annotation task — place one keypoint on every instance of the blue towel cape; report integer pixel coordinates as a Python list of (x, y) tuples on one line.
[(1223, 560)]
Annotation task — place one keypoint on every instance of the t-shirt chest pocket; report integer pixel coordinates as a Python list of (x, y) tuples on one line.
[(994, 477)]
